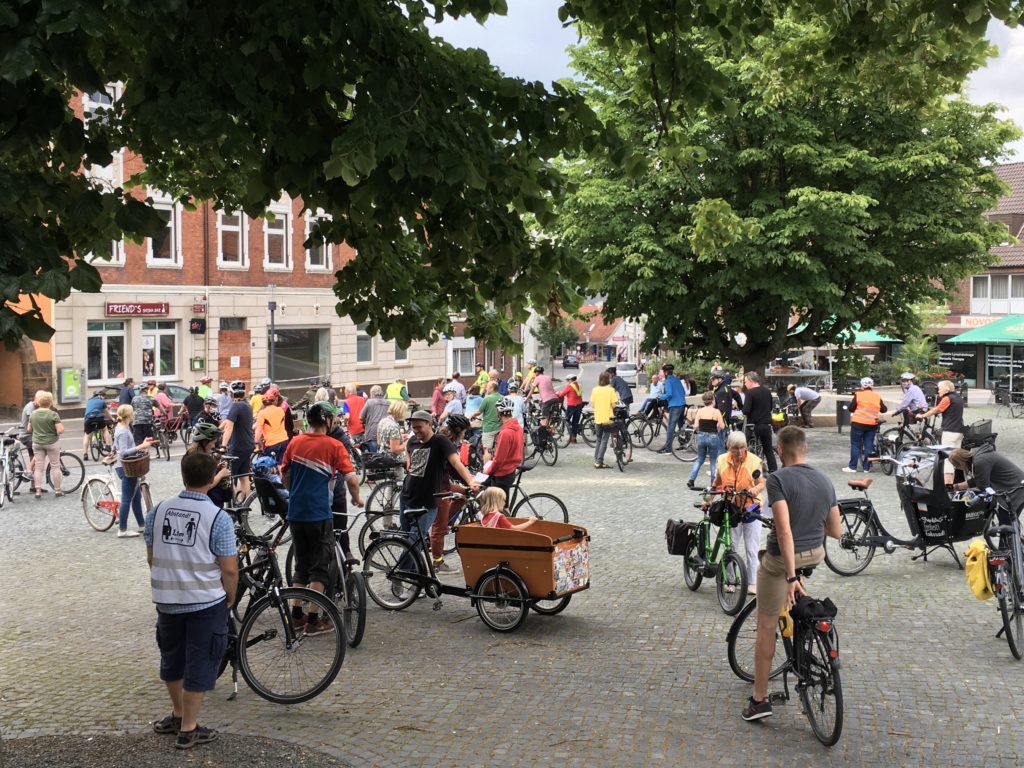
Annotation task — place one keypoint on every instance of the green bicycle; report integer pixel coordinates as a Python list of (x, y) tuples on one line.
[(718, 560)]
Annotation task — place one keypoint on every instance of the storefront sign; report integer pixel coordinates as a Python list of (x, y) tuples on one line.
[(198, 308), (949, 358), (975, 321), (197, 325), (135, 309)]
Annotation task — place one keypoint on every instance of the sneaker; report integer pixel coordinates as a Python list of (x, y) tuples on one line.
[(729, 589), (756, 710), (601, 466), (663, 450), (126, 534), (189, 739), (399, 590), (169, 724), (443, 567), (690, 485), (319, 627), (847, 469)]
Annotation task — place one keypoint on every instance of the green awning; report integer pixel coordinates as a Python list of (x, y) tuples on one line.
[(1005, 330), (870, 337)]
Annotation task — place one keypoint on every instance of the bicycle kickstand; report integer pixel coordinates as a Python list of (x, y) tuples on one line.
[(437, 604), (234, 681)]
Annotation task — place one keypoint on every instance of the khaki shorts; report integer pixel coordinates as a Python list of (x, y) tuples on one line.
[(771, 579)]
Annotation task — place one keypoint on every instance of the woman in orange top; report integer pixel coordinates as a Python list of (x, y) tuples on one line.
[(271, 434), (740, 469)]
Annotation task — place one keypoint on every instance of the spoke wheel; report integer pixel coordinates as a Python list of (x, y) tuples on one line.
[(821, 691), (391, 570), (742, 640), (502, 600), (636, 427), (99, 504), (72, 471), (543, 506), (549, 453), (354, 608), (588, 430), (693, 560), (684, 444), (282, 664), (1010, 609), (852, 552), (561, 431), (731, 583), (257, 521), (887, 443), (95, 448)]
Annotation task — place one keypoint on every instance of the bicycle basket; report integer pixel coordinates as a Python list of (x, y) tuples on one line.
[(717, 513), (135, 466)]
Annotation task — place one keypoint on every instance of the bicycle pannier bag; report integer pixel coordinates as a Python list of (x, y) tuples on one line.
[(678, 536), (976, 569), (717, 513)]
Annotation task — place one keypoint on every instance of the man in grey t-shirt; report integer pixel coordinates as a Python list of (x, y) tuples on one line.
[(804, 509)]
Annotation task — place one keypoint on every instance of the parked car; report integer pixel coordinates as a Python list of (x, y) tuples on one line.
[(627, 372), (110, 392), (570, 361)]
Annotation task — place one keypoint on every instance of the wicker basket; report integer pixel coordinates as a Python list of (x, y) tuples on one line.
[(136, 467)]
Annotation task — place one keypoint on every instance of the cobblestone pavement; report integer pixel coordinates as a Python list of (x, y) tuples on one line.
[(634, 672)]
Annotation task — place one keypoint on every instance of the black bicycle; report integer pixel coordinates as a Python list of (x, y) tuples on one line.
[(896, 442), (1006, 570), (619, 440), (810, 646)]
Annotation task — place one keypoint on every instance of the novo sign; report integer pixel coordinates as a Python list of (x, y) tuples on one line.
[(136, 309)]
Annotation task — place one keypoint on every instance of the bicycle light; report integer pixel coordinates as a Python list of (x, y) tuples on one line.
[(824, 626)]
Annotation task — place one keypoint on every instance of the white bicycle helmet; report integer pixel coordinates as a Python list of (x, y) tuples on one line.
[(504, 405), (867, 381)]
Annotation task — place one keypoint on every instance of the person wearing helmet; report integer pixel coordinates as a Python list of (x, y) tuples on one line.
[(572, 395), (913, 402), (726, 400), (271, 430), (518, 404), (866, 411), (238, 439), (490, 422), (256, 400), (508, 448), (194, 405), (142, 425), (151, 387), (204, 390), (310, 467), (210, 414)]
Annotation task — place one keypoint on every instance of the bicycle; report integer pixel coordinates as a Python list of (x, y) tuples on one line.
[(895, 443), (72, 468), (275, 657), (1006, 571), (811, 646), (544, 445), (98, 446), (619, 438), (101, 498), (162, 440), (684, 445), (718, 560), (9, 466)]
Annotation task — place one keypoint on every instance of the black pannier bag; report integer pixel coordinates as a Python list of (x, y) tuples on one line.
[(678, 536), (717, 513)]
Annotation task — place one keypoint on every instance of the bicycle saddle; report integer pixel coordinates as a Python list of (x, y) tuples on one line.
[(415, 513), (861, 484), (524, 468)]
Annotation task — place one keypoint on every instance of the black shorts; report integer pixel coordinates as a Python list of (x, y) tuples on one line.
[(242, 463), (313, 545), (550, 408), (192, 646), (95, 424)]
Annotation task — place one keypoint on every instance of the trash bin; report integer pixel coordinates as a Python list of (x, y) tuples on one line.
[(842, 414), (641, 378)]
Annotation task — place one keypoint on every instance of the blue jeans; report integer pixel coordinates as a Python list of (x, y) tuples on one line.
[(130, 497), (862, 445), (708, 446), (573, 414), (674, 414), (371, 446), (423, 523)]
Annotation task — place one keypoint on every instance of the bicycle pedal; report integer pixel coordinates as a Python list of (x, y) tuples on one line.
[(437, 604), (778, 697)]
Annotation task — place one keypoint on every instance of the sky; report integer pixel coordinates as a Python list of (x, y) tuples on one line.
[(530, 43)]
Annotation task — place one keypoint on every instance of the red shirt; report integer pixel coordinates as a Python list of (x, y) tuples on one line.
[(355, 405), (508, 449), (572, 394), (496, 520)]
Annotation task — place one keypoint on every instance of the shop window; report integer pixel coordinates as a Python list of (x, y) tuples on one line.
[(105, 351), (364, 344), (159, 348), (232, 240)]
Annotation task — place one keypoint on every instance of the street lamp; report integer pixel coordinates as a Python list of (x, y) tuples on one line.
[(272, 306)]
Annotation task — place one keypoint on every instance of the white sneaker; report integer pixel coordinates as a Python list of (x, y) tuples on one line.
[(127, 534), (851, 471)]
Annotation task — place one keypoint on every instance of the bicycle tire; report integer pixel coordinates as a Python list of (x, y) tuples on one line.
[(549, 453), (72, 471), (147, 496), (94, 447), (185, 432), (618, 450), (887, 448), (653, 443), (820, 683), (693, 571), (731, 572), (165, 446), (382, 561), (588, 430), (18, 473), (561, 434), (543, 506), (635, 428), (4, 483), (459, 518), (99, 517), (742, 639), (358, 463), (502, 600), (551, 607), (851, 553), (1010, 608), (257, 522), (684, 445), (8, 489), (265, 655), (354, 608)]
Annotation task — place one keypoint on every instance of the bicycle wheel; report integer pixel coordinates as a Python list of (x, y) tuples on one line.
[(392, 569), (462, 516), (18, 473), (9, 482), (72, 471), (588, 430), (693, 559), (1010, 608), (5, 481), (684, 446), (851, 553), (551, 607), (549, 453), (99, 504), (95, 446), (543, 506), (561, 430), (359, 463), (257, 521), (282, 664), (502, 600), (820, 687), (185, 432), (619, 450), (636, 427), (887, 443), (731, 583), (742, 639), (165, 446), (354, 608)]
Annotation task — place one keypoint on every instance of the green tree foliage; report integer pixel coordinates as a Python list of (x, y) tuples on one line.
[(810, 209), (553, 333)]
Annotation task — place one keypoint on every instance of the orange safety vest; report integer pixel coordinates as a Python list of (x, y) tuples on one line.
[(869, 408)]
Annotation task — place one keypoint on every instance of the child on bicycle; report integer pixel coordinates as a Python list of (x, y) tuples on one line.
[(493, 511)]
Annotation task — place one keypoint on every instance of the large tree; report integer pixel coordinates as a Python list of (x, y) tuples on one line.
[(426, 156), (812, 207)]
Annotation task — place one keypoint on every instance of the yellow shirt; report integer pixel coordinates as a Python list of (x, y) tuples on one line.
[(603, 399), (256, 403)]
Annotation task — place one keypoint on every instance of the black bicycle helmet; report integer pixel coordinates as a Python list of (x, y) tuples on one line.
[(206, 431), (505, 405), (210, 401), (457, 423)]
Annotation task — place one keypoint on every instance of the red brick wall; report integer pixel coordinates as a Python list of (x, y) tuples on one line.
[(234, 344), (960, 298)]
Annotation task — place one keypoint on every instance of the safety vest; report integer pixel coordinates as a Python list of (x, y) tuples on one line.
[(869, 407), (185, 570), (395, 390)]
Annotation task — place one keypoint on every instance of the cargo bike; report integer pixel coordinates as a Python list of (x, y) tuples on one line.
[(508, 572)]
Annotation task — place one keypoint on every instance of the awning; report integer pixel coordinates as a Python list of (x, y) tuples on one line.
[(1005, 330), (870, 337)]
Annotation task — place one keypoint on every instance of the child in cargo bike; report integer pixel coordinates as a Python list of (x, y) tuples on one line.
[(493, 513)]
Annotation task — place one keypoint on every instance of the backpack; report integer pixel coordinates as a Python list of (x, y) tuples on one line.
[(679, 535), (976, 569)]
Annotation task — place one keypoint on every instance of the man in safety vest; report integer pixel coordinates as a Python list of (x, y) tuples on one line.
[(572, 394), (397, 390), (866, 410)]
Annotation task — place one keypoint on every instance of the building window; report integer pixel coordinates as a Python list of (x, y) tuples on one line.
[(232, 323), (164, 248), (105, 351), (463, 361), (979, 287), (319, 253), (232, 240), (277, 250), (364, 344), (401, 353), (1000, 287), (1017, 287), (159, 348), (97, 105), (301, 353)]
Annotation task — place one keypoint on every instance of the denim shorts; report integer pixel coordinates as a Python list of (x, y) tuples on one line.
[(192, 646)]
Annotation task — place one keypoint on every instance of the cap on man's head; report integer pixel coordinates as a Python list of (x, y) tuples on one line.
[(668, 367), (421, 416)]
